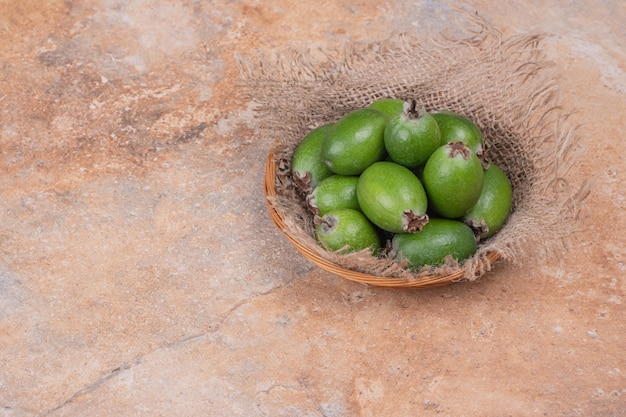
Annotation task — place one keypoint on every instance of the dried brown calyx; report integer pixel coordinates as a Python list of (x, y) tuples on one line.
[(411, 111), (327, 223), (479, 229), (303, 182), (412, 222), (484, 158), (311, 204), (458, 148)]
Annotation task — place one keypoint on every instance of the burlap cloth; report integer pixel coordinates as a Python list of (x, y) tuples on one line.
[(507, 87)]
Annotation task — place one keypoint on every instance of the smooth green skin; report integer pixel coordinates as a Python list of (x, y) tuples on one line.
[(308, 157), (410, 140), (457, 128), (334, 192), (347, 227), (438, 239), (355, 141), (453, 184), (494, 205), (389, 106), (385, 191)]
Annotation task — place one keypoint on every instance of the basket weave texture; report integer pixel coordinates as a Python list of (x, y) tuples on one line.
[(505, 86)]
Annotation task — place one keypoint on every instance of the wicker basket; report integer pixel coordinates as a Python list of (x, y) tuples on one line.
[(507, 87), (421, 281)]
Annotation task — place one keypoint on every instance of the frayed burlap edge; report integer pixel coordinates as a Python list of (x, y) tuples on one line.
[(507, 87)]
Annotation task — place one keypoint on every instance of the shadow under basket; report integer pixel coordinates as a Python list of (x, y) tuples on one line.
[(415, 282)]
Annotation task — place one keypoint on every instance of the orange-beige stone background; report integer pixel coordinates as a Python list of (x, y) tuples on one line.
[(140, 274)]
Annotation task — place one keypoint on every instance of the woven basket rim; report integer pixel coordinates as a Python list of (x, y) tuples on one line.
[(419, 282)]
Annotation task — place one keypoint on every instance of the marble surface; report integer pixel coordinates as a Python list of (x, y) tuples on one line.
[(140, 274)]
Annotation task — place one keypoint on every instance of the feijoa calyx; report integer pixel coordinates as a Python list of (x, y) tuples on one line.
[(453, 179), (438, 240), (411, 136), (489, 214), (346, 229), (307, 164), (392, 197), (355, 141), (334, 192)]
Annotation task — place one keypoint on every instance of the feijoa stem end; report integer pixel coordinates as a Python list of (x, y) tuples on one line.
[(479, 228), (414, 223), (411, 111), (312, 204), (327, 222), (303, 182), (459, 148)]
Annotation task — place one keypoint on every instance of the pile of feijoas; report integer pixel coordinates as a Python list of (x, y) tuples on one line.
[(402, 182)]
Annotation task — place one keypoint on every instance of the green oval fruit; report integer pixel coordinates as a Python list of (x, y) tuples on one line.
[(492, 209), (453, 179), (457, 128), (307, 163), (438, 239), (355, 141), (392, 197), (334, 192), (389, 106), (411, 136), (346, 228)]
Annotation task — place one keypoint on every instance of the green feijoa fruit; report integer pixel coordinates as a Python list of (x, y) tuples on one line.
[(307, 163), (346, 229), (438, 239), (392, 197), (457, 128), (411, 136), (389, 106), (334, 192), (492, 209), (453, 179), (355, 141)]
